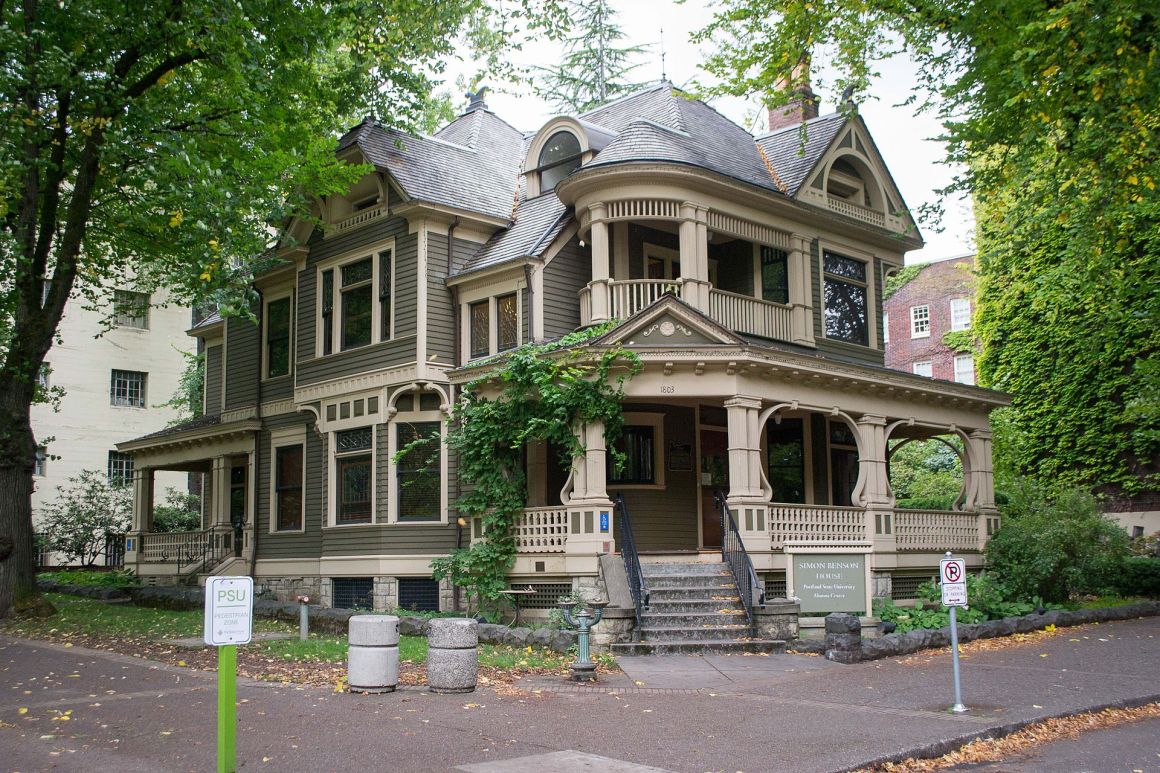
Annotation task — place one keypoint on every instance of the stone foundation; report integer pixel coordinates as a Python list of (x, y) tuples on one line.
[(881, 585), (614, 628), (778, 619), (287, 589), (384, 594)]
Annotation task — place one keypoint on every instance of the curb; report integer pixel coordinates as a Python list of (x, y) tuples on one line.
[(939, 748)]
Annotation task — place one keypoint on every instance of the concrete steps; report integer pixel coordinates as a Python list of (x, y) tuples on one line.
[(694, 608)]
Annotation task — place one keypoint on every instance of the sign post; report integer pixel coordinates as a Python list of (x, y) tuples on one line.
[(952, 573), (229, 616)]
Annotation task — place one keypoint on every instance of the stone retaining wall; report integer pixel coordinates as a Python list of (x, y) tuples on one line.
[(322, 619)]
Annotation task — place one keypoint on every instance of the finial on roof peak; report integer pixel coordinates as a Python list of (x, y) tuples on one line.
[(475, 99)]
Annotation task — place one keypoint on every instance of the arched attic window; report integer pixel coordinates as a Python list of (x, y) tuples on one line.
[(851, 180), (558, 158)]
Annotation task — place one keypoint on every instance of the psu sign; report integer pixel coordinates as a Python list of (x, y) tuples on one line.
[(229, 610)]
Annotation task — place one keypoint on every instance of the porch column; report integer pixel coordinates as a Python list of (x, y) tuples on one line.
[(219, 514), (982, 483), (800, 293), (590, 517), (598, 236), (142, 514), (873, 489), (746, 498), (694, 244)]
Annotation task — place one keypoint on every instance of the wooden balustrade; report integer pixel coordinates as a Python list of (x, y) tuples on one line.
[(747, 314), (630, 296), (178, 546), (816, 523), (541, 530), (936, 530), (843, 207)]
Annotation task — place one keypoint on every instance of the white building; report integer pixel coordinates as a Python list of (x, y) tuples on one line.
[(113, 383)]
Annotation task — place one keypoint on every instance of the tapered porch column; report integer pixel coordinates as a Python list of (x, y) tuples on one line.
[(747, 500), (873, 489), (800, 295), (142, 513), (981, 488), (598, 237), (694, 243), (591, 530)]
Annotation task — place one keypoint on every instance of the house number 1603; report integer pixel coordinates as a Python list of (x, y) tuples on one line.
[(668, 389)]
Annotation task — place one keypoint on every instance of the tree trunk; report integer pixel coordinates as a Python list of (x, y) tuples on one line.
[(18, 592)]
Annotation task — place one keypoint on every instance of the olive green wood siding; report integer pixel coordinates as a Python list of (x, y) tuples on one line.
[(390, 540), (307, 544), (666, 519), (461, 252), (440, 315), (213, 380), (564, 276), (281, 388), (399, 350), (820, 458), (242, 355)]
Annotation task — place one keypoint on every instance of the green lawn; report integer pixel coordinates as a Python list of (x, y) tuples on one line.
[(88, 617)]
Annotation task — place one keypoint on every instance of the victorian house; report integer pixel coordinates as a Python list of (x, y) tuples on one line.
[(746, 273)]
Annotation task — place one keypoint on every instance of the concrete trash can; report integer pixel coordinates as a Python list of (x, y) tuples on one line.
[(372, 661), (452, 654)]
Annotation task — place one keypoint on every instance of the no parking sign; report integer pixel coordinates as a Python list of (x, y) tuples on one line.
[(952, 575)]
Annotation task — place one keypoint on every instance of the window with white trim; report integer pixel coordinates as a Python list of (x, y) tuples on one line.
[(559, 157), (845, 296), (885, 327), (354, 475), (965, 368), (924, 368), (960, 313), (279, 316), (40, 466), (120, 469), (355, 301), (289, 481), (920, 321), (419, 489), (127, 388), (42, 382), (493, 325), (131, 309)]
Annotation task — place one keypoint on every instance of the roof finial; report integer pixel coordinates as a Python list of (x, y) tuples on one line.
[(664, 75), (475, 99)]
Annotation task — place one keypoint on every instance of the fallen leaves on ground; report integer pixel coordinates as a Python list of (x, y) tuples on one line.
[(1023, 741), (992, 645)]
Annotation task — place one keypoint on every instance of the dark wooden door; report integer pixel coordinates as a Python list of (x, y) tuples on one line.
[(714, 477)]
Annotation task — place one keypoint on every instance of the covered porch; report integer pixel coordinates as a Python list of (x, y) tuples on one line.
[(224, 452)]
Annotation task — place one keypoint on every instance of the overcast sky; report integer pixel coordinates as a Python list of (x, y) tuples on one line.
[(914, 160)]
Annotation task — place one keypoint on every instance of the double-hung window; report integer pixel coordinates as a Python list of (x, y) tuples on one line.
[(288, 469), (354, 475), (774, 274), (920, 321), (419, 474), (120, 469), (127, 388), (965, 368), (356, 300), (636, 443), (131, 309), (278, 321), (356, 303), (845, 298), (960, 313), (923, 368)]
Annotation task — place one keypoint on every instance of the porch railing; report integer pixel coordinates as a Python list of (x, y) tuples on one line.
[(747, 314), (751, 590), (936, 530), (816, 523), (630, 296), (541, 530), (636, 582), (186, 549)]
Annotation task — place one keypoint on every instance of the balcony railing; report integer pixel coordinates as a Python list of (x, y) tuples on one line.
[(936, 530), (541, 530), (816, 523), (754, 316), (843, 207), (630, 296)]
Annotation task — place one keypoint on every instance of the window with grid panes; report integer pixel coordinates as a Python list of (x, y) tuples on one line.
[(288, 488), (845, 298), (357, 307), (965, 368), (418, 475), (385, 290), (131, 309), (923, 368), (508, 322), (960, 314), (354, 475), (479, 318), (278, 337), (120, 469), (774, 274), (919, 321), (127, 388)]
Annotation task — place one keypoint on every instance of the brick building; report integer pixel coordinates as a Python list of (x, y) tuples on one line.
[(917, 318)]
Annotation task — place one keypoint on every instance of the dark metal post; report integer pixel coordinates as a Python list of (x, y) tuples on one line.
[(583, 670)]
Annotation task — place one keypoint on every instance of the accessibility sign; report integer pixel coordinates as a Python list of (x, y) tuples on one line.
[(952, 574), (229, 610)]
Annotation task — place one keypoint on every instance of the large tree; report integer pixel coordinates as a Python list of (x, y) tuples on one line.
[(595, 65), (1052, 110), (151, 144)]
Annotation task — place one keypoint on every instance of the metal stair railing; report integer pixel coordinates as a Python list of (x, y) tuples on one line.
[(734, 553), (636, 582)]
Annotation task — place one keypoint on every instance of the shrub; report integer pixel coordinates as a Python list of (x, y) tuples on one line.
[(181, 512), (1054, 543), (1140, 576), (85, 512), (120, 578)]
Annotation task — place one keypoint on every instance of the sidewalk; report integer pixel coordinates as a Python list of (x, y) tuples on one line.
[(736, 713)]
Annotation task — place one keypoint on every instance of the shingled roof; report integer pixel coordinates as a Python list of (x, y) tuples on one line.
[(790, 158), (537, 222)]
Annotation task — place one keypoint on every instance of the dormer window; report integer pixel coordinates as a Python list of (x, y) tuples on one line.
[(846, 183), (559, 157)]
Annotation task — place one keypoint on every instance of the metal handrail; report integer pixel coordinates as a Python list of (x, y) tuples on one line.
[(636, 582), (734, 553)]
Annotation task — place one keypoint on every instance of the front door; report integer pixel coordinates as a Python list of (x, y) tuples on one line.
[(714, 477)]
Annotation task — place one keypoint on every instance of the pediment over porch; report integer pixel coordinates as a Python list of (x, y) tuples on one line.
[(669, 322)]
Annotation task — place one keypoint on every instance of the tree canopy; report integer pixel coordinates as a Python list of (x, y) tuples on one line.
[(1053, 113), (163, 144)]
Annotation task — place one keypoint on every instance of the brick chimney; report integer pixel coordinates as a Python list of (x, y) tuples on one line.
[(804, 104)]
